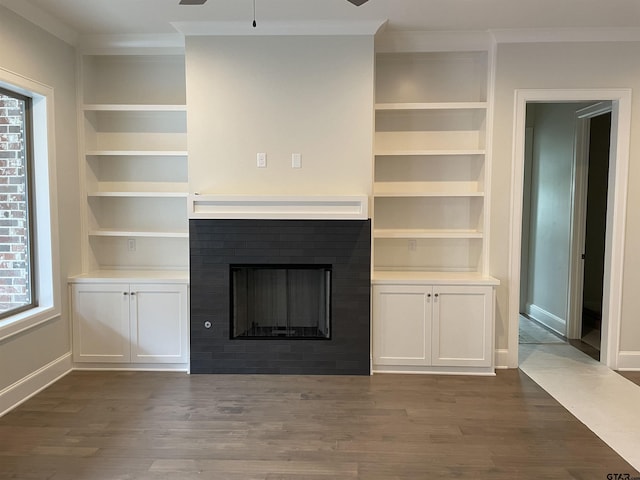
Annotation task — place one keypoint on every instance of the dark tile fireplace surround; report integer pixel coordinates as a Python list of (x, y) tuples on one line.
[(342, 245)]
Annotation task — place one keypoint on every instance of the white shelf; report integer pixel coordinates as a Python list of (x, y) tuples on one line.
[(427, 153), (133, 127), (407, 277), (424, 233), (138, 153), (429, 178), (108, 107), (139, 194), (431, 106), (310, 207), (408, 193), (132, 233), (126, 275)]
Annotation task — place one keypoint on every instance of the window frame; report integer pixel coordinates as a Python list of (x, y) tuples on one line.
[(45, 207), (30, 196)]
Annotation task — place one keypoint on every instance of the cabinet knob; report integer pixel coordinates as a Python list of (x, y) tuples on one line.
[(436, 295), (133, 294), (125, 293), (428, 295)]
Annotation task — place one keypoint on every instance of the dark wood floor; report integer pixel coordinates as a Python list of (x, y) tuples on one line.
[(108, 425), (633, 376)]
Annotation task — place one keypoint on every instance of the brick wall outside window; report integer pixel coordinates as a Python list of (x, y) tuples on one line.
[(14, 257)]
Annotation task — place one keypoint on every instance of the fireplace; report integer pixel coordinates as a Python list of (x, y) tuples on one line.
[(281, 301), (280, 296)]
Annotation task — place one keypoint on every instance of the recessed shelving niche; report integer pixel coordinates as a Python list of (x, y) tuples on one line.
[(135, 163), (430, 163)]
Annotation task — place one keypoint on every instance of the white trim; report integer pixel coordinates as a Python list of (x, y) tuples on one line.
[(267, 28), (132, 44), (42, 19), (579, 174), (501, 359), (45, 205), (616, 209), (279, 207), (628, 360), (27, 387), (553, 35), (433, 370), (129, 367), (548, 319), (579, 214)]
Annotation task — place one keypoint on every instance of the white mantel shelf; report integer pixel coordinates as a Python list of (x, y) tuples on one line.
[(279, 207)]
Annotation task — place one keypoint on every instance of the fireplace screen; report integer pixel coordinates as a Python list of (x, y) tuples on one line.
[(281, 301)]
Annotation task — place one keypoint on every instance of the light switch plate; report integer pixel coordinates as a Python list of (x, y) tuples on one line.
[(262, 160)]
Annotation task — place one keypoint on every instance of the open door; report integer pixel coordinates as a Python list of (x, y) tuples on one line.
[(615, 217)]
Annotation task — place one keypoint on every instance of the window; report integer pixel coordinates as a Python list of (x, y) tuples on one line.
[(41, 260), (17, 280)]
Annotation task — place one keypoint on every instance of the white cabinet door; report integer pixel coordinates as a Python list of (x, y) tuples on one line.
[(462, 326), (401, 325), (100, 322), (158, 323)]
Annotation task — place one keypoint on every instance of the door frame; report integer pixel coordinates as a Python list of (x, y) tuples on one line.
[(579, 214), (616, 209)]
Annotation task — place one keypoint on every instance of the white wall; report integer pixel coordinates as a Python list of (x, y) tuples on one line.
[(562, 65), (280, 95), (554, 127), (30, 52)]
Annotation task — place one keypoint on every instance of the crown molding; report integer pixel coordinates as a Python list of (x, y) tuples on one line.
[(298, 28), (563, 35), (168, 43), (42, 19)]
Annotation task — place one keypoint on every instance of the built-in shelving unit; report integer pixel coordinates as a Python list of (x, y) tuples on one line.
[(134, 163), (430, 159), (433, 300)]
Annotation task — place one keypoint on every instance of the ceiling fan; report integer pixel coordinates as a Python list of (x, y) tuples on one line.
[(357, 3)]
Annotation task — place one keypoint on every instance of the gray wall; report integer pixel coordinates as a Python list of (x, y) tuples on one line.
[(546, 276)]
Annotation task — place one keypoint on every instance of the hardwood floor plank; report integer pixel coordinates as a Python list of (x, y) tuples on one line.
[(154, 425)]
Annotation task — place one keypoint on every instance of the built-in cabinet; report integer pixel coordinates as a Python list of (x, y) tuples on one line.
[(436, 326), (432, 296), (129, 323), (129, 306)]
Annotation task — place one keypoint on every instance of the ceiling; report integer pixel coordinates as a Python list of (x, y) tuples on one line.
[(99, 17)]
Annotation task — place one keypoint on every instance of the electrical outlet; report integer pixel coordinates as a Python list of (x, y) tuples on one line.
[(262, 160), (296, 160), (131, 244), (413, 245)]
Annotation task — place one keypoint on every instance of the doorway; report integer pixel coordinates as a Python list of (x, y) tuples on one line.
[(615, 218), (564, 223)]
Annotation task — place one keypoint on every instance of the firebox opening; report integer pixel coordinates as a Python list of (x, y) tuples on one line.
[(281, 301)]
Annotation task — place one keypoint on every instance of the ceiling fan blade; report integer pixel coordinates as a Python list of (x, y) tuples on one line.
[(357, 3), (192, 2)]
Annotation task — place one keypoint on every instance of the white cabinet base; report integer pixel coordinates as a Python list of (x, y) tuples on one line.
[(137, 326), (433, 370), (433, 328)]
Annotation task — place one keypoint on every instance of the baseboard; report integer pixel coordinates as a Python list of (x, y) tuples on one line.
[(502, 359), (27, 387), (431, 370), (629, 360), (131, 367), (548, 319)]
